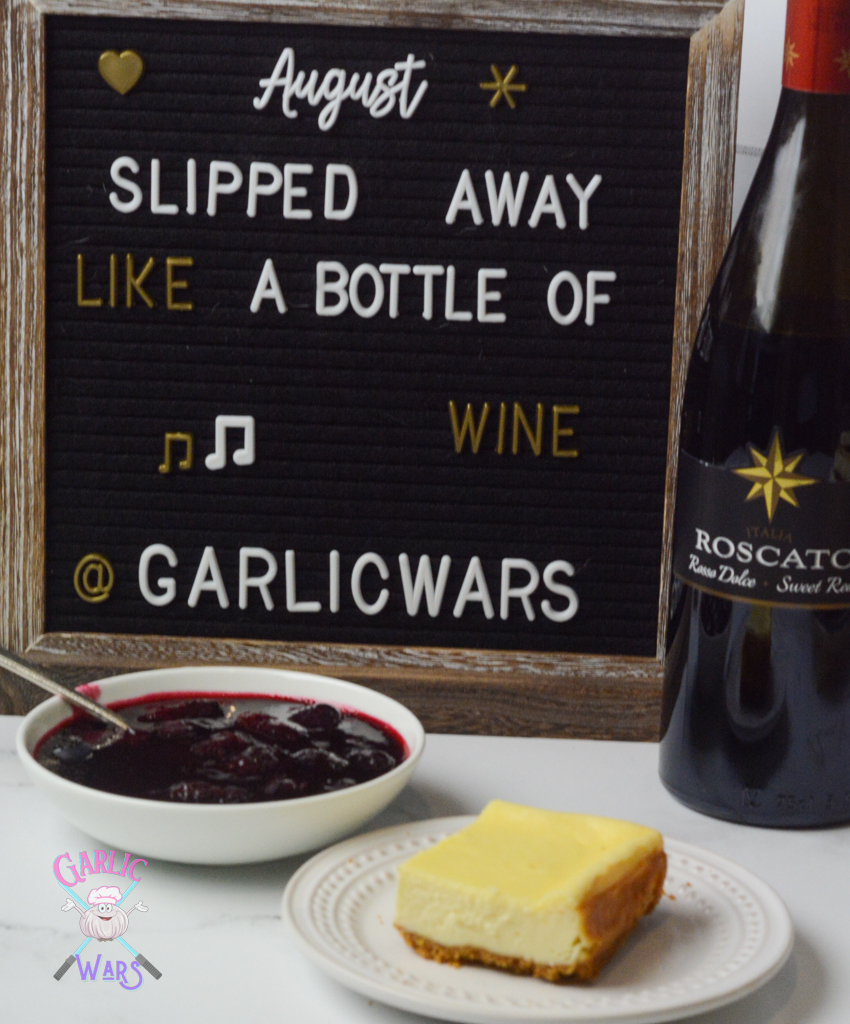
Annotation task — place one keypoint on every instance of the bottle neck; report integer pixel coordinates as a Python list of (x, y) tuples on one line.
[(788, 265), (822, 118), (817, 46)]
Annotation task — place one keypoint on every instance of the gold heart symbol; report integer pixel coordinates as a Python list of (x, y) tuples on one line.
[(121, 70)]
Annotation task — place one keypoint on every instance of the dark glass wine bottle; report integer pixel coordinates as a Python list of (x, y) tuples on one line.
[(756, 710)]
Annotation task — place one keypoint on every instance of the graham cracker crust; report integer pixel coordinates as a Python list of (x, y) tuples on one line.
[(609, 918)]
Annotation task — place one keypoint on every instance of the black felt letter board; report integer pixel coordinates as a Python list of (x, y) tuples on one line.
[(355, 444)]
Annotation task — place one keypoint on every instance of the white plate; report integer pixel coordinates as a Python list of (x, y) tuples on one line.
[(718, 934)]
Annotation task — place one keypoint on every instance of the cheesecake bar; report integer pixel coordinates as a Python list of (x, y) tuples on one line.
[(531, 891)]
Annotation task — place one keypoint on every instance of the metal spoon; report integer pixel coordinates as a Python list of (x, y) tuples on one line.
[(18, 666)]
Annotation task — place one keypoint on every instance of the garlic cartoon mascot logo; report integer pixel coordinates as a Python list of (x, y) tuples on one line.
[(104, 919)]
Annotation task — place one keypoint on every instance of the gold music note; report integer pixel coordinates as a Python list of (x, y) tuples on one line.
[(185, 463)]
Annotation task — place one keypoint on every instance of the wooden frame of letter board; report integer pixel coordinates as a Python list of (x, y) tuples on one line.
[(481, 691)]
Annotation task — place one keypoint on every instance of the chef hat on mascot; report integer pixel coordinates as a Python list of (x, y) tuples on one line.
[(105, 894)]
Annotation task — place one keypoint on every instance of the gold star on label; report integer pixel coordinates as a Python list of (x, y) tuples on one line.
[(844, 62), (790, 54), (504, 86), (773, 476)]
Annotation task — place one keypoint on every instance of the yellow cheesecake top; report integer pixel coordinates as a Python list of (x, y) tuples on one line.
[(533, 857)]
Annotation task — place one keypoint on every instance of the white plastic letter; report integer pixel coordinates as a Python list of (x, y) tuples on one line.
[(407, 106), (395, 271), (168, 584), (208, 577), (583, 195), (370, 558), (332, 172), (292, 602), (125, 163), (191, 187), (450, 312), (156, 205), (523, 592), (267, 188), (486, 274), (474, 577), (260, 582), (333, 587), (291, 192), (561, 589), (424, 582), (506, 198), (464, 199), (284, 61), (429, 271), (548, 201), (268, 287), (222, 188), (338, 288), (593, 298), (363, 270), (552, 298)]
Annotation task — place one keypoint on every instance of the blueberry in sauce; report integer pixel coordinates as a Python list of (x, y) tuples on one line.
[(207, 793), (318, 718), (264, 727), (72, 751), (185, 709), (223, 749)]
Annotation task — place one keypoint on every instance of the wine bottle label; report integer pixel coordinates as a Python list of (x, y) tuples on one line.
[(763, 532), (817, 46)]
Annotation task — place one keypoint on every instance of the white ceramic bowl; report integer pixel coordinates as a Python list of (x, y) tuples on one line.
[(223, 833)]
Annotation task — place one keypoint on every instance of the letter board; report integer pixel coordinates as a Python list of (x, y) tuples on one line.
[(359, 338)]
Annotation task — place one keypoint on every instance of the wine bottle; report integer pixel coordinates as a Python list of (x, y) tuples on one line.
[(756, 706)]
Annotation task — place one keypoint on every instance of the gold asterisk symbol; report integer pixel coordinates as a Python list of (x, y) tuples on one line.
[(790, 54), (504, 86), (844, 62), (773, 476)]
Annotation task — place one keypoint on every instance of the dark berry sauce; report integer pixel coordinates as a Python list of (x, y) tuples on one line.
[(222, 749)]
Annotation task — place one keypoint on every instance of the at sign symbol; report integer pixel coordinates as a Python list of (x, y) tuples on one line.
[(93, 578)]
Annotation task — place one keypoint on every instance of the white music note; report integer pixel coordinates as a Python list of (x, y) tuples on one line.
[(243, 456)]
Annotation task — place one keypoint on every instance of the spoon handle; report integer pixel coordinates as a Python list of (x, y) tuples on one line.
[(18, 666)]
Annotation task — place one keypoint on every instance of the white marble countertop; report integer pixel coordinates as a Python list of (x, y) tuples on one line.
[(217, 937)]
